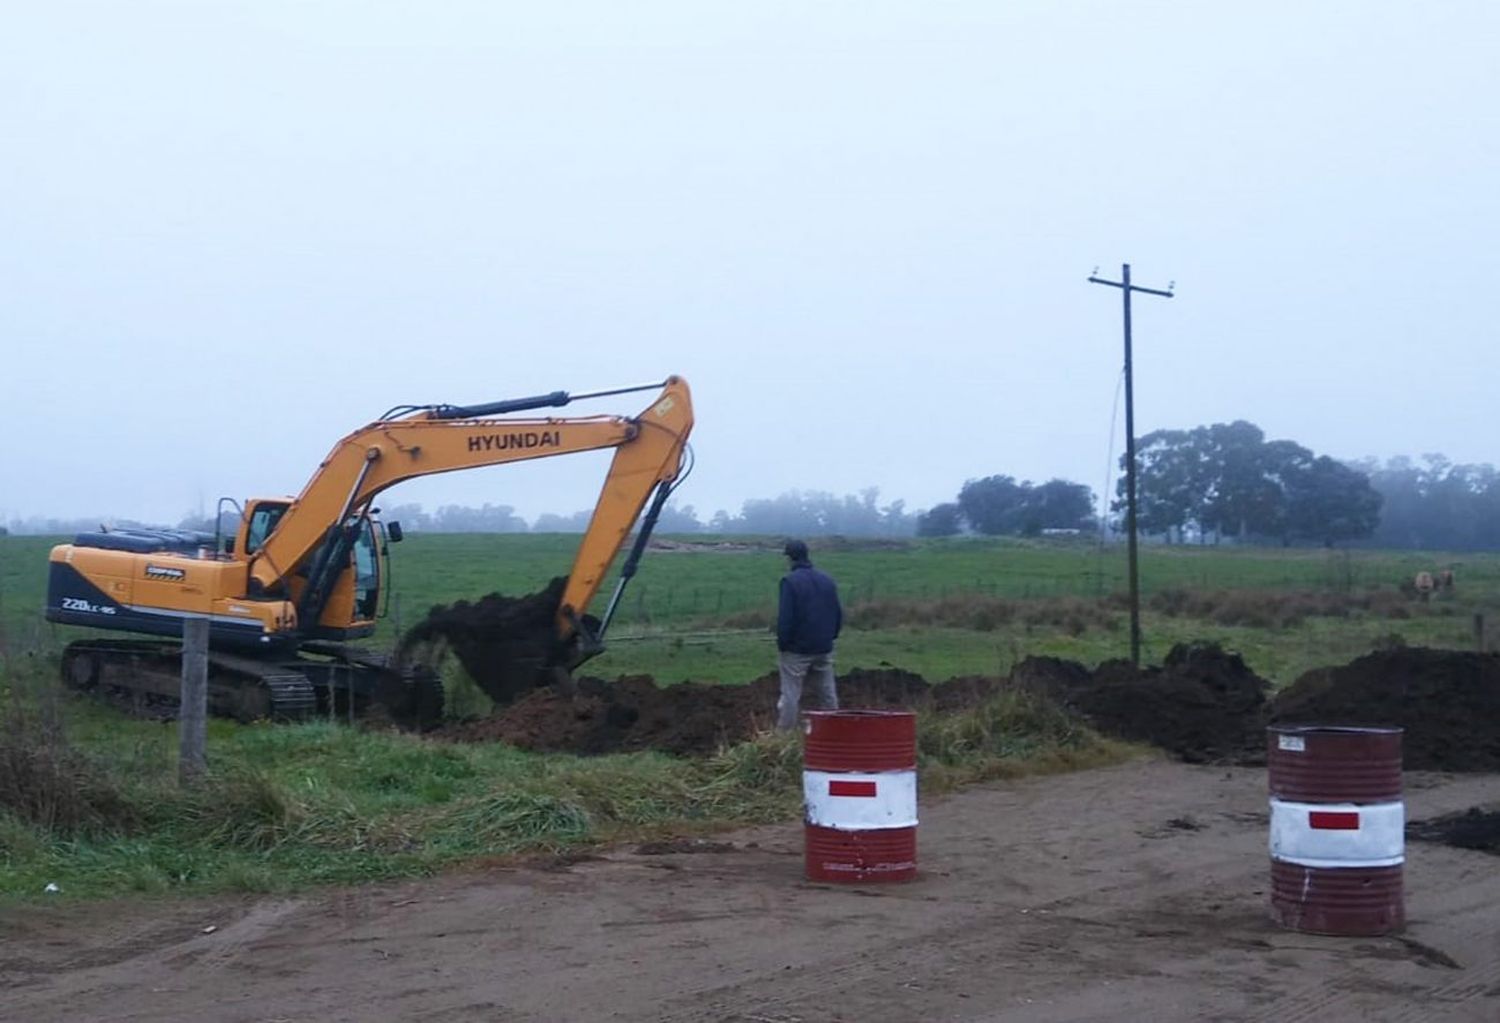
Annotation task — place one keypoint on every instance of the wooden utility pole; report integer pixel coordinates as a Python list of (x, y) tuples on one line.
[(1130, 521), (192, 713)]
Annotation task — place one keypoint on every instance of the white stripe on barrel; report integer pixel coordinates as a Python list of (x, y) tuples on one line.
[(1338, 834), (849, 801)]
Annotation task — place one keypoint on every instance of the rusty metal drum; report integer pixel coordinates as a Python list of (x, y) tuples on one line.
[(859, 786), (1337, 829)]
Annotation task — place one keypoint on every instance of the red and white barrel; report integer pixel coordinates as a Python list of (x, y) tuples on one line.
[(859, 785), (1337, 829)]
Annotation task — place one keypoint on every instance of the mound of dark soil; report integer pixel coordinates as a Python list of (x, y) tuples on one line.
[(689, 718), (1448, 701), (631, 713), (1202, 705), (1472, 829), (503, 642)]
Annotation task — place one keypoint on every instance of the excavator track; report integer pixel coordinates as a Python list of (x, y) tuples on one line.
[(408, 694), (145, 677), (291, 696), (344, 683)]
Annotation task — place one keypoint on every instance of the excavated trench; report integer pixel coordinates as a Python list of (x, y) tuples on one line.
[(1203, 705), (688, 718)]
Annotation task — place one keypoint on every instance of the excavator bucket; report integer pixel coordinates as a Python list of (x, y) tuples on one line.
[(508, 645)]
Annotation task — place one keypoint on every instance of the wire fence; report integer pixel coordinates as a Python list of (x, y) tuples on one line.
[(655, 602)]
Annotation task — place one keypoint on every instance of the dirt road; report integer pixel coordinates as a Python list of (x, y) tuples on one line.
[(1134, 893)]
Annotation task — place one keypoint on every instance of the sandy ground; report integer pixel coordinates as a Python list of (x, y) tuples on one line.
[(1069, 898)]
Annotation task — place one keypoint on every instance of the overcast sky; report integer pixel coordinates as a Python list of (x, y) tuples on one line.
[(232, 232)]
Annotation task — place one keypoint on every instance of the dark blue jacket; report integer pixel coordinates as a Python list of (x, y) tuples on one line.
[(809, 618)]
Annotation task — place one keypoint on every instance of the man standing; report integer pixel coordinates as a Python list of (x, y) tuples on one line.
[(807, 622)]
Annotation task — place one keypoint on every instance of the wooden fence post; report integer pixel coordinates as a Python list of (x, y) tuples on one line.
[(192, 713), (1479, 630)]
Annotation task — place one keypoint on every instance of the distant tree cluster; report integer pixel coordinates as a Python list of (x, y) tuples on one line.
[(815, 513), (1227, 480), (999, 505), (795, 512), (1436, 504), (810, 513)]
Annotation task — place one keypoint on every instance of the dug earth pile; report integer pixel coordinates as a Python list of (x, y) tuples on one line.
[(1448, 701), (689, 718), (1205, 705), (1469, 829), (504, 643), (1202, 705)]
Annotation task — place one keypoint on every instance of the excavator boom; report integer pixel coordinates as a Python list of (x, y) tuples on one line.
[(649, 450)]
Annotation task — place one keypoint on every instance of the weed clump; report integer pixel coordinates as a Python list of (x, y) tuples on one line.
[(243, 809), (508, 821), (48, 783)]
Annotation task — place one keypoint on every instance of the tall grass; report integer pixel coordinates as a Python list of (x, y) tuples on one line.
[(292, 805), (45, 781)]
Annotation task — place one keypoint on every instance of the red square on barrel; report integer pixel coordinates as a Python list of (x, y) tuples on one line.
[(851, 788), (1333, 820)]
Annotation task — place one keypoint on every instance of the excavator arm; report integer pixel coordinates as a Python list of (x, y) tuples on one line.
[(317, 531)]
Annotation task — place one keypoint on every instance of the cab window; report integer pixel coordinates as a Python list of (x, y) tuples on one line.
[(262, 522), (366, 572)]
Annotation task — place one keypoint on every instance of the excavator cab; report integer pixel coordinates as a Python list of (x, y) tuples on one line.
[(353, 603)]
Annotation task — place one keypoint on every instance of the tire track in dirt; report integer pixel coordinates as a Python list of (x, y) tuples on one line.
[(1053, 900)]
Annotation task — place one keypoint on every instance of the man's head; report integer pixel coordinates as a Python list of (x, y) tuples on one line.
[(796, 550)]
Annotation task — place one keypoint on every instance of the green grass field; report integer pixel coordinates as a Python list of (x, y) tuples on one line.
[(93, 804), (686, 612)]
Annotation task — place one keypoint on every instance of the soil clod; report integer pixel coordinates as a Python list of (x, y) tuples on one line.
[(1474, 828)]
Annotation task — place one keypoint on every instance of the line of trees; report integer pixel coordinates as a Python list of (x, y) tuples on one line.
[(812, 513), (1219, 483), (1227, 480)]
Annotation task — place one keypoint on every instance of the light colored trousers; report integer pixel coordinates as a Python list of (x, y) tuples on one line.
[(817, 669)]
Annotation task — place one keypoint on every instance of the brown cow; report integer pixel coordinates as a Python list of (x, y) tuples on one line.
[(1424, 583)]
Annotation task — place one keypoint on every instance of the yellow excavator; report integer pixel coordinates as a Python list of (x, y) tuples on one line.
[(303, 576)]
